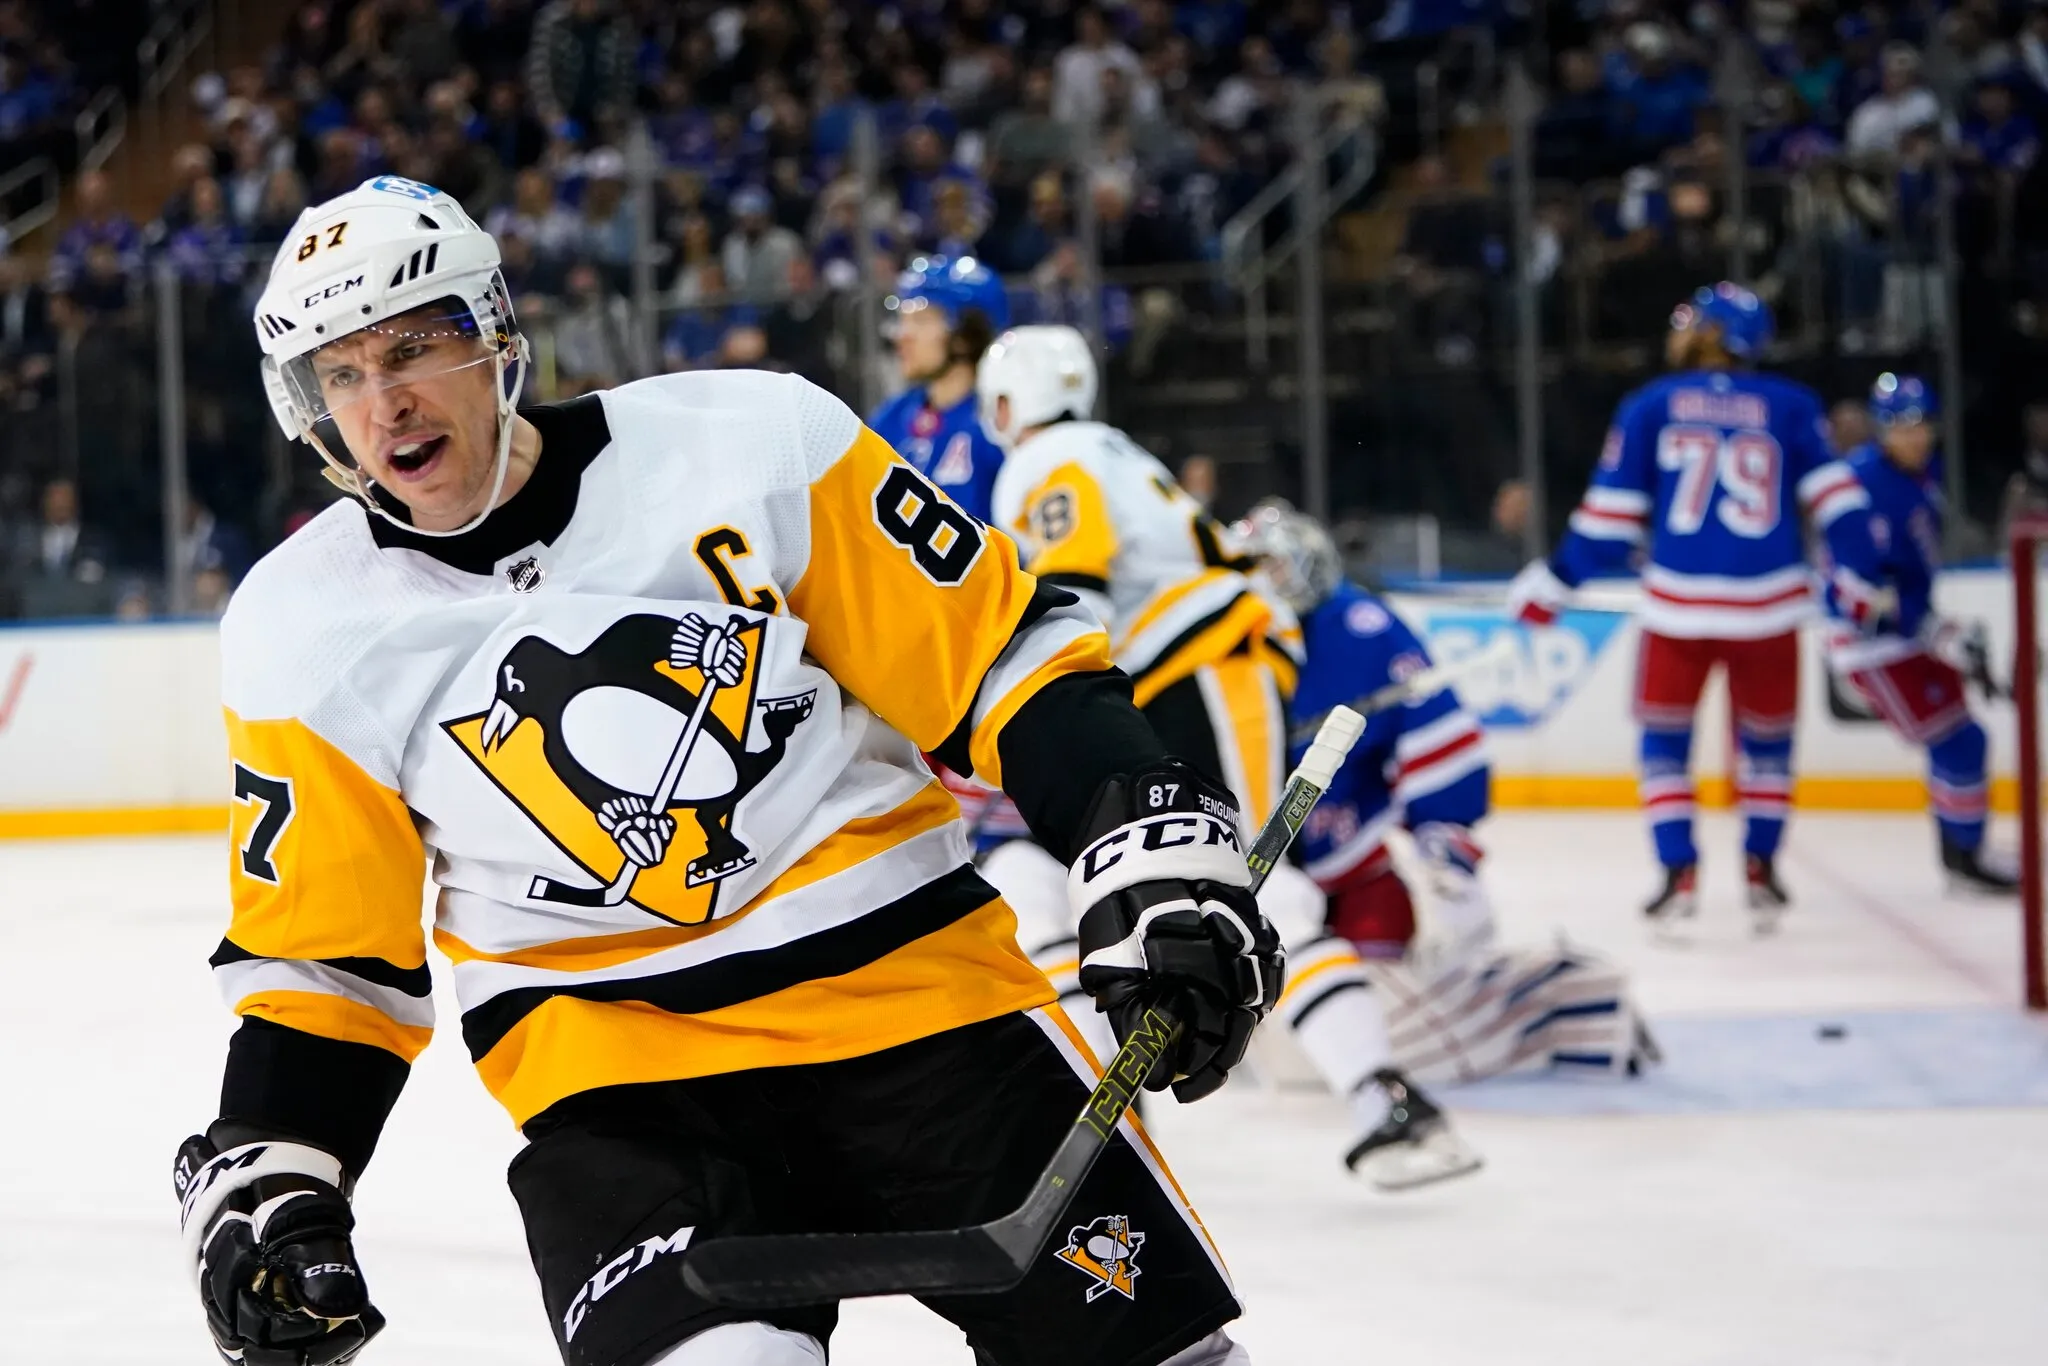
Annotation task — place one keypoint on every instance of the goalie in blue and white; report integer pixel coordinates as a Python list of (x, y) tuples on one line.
[(1457, 1006)]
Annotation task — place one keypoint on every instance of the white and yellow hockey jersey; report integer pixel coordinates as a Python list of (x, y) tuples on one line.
[(1099, 515), (524, 720)]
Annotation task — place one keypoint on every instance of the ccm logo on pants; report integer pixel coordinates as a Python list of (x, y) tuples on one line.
[(617, 1269)]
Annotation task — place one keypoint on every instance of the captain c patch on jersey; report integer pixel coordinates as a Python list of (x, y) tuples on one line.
[(1106, 1251), (634, 754)]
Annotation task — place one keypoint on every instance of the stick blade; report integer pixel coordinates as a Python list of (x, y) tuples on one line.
[(787, 1270)]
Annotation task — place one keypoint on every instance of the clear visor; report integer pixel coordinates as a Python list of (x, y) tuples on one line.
[(412, 348)]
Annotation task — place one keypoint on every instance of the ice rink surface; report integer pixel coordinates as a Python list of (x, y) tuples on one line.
[(1769, 1198)]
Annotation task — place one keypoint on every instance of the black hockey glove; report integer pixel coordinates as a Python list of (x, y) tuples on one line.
[(1167, 920), (267, 1231)]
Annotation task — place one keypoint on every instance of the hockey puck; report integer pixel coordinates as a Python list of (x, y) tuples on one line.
[(1831, 1033)]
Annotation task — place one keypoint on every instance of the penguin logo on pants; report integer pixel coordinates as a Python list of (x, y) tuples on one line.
[(1106, 1250), (634, 754)]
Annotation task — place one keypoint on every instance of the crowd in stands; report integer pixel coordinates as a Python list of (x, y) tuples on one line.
[(1841, 114), (753, 117), (754, 114), (54, 56)]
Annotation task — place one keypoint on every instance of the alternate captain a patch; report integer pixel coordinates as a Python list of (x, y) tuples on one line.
[(608, 748), (1106, 1251)]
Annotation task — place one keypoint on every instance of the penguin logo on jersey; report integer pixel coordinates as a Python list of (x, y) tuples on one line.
[(607, 748), (1106, 1251)]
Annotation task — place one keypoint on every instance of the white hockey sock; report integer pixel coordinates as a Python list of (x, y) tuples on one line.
[(1034, 883), (1330, 1006)]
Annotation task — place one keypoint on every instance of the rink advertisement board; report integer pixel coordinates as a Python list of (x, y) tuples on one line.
[(117, 728), (111, 729)]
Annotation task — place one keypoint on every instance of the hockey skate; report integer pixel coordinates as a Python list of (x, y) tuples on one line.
[(1979, 870), (1767, 896), (1677, 901), (1414, 1145)]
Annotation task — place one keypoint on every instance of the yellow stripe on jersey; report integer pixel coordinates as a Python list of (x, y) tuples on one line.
[(855, 842), (909, 600), (1245, 706), (324, 860), (335, 1017), (1066, 523), (1166, 599), (966, 972), (1285, 667), (1244, 620)]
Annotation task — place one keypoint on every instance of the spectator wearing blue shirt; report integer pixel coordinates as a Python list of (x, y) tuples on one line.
[(925, 166), (915, 106), (1656, 98), (837, 112), (28, 101), (1997, 137), (1787, 138), (97, 224), (680, 127), (208, 249)]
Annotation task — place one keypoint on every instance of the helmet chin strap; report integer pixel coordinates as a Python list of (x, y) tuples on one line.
[(351, 479)]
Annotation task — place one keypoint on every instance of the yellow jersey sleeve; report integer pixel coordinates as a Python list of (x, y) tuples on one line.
[(326, 870), (921, 611)]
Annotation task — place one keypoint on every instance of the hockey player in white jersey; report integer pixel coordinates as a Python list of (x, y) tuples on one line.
[(1213, 661), (643, 678)]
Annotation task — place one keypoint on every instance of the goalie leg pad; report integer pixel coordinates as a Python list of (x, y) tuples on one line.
[(1513, 1011)]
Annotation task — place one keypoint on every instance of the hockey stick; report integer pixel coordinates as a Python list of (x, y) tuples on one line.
[(547, 889), (1414, 688), (781, 1270)]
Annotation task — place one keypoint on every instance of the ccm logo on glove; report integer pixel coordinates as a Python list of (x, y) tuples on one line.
[(1175, 830)]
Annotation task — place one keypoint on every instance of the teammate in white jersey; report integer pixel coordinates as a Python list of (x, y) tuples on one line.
[(644, 678), (1212, 660)]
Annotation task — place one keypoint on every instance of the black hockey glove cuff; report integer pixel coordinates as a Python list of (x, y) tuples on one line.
[(267, 1229), (1167, 920)]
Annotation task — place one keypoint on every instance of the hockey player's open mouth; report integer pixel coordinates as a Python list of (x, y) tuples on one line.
[(412, 457)]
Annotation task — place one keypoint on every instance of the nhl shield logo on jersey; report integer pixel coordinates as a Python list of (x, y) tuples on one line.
[(1106, 1251), (606, 750)]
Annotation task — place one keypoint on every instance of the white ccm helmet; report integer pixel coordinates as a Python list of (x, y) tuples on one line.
[(1047, 372), (387, 247)]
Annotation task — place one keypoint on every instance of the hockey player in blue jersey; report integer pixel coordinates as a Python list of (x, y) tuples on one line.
[(1457, 1005), (1423, 765), (947, 312), (1703, 477), (1887, 642)]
